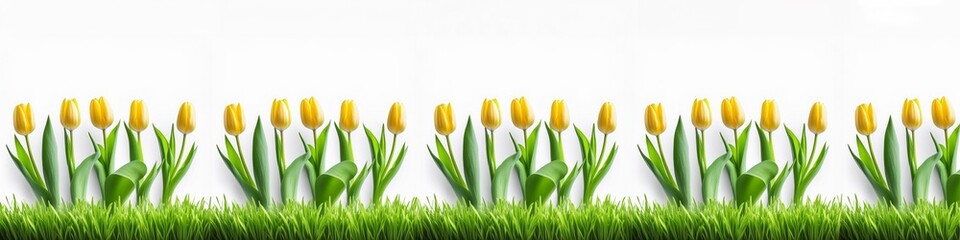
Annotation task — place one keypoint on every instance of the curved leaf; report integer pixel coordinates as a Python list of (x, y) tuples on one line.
[(51, 169), (921, 181), (331, 184), (120, 184), (261, 170), (471, 162), (291, 177), (78, 184), (891, 162), (501, 177), (681, 165), (711, 178), (541, 184), (952, 195), (754, 182)]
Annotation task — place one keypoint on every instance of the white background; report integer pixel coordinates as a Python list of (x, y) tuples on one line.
[(423, 53)]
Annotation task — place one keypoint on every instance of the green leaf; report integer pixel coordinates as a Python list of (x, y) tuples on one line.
[(355, 183), (331, 184), (711, 179), (952, 196), (741, 147), (78, 184), (471, 162), (502, 176), (143, 191), (878, 185), (556, 147), (566, 184), (346, 148), (260, 165), (120, 184), (681, 164), (543, 183), (766, 146), (110, 148), (320, 143), (751, 184), (457, 184), (249, 188), (891, 162), (136, 150), (51, 169), (921, 181), (291, 177)]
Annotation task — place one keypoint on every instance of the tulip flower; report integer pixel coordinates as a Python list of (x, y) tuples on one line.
[(607, 121), (396, 121), (310, 113), (70, 114), (700, 115), (280, 118), (559, 119), (654, 120), (23, 119), (349, 117), (186, 120), (943, 115), (100, 113), (769, 116), (817, 119), (444, 121), (731, 112), (490, 114), (139, 118), (233, 119), (866, 124), (912, 117), (521, 113)]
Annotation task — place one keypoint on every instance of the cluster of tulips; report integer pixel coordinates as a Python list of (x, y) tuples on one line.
[(116, 184), (748, 182)]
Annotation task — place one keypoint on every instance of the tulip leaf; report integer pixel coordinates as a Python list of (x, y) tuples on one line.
[(136, 150), (471, 162), (502, 176), (51, 169), (346, 149), (143, 190), (952, 195), (353, 186), (121, 183), (878, 186), (754, 182), (711, 178), (331, 184), (541, 184), (291, 177), (921, 180), (457, 184), (556, 146), (232, 162), (891, 162), (681, 164), (78, 184), (766, 145), (261, 165)]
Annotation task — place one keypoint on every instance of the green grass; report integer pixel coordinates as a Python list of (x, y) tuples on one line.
[(422, 220)]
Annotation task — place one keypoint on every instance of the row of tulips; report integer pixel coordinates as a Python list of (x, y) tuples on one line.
[(328, 185)]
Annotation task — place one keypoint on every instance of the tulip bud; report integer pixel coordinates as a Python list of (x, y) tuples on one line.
[(310, 113), (233, 119), (349, 118), (100, 113), (701, 114), (769, 116), (280, 114), (943, 115), (912, 118), (70, 114), (559, 119), (521, 113), (443, 119), (490, 114), (866, 124), (186, 121), (731, 112), (139, 118), (23, 119), (396, 121), (654, 119), (817, 119), (607, 121)]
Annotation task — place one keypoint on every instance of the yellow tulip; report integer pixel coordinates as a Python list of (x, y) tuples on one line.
[(100, 113), (443, 119), (866, 124), (23, 119), (559, 119), (654, 119), (349, 118), (607, 122), (139, 118), (280, 114), (731, 112), (396, 121), (310, 113), (521, 113), (701, 115), (817, 119), (943, 115), (186, 121), (912, 118), (233, 119), (490, 114), (70, 114), (769, 116)]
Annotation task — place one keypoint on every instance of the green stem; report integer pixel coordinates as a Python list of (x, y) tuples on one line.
[(281, 158), (71, 163), (491, 156), (33, 162), (105, 157)]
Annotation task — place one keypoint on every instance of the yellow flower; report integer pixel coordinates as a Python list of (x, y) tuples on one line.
[(607, 122), (310, 113), (701, 115), (817, 119), (280, 114), (559, 119), (349, 118), (23, 119), (233, 119), (70, 114), (490, 114), (769, 116), (866, 124), (396, 121), (912, 118), (942, 113), (731, 112), (139, 118), (186, 121), (443, 119), (654, 119), (100, 113), (521, 113)]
